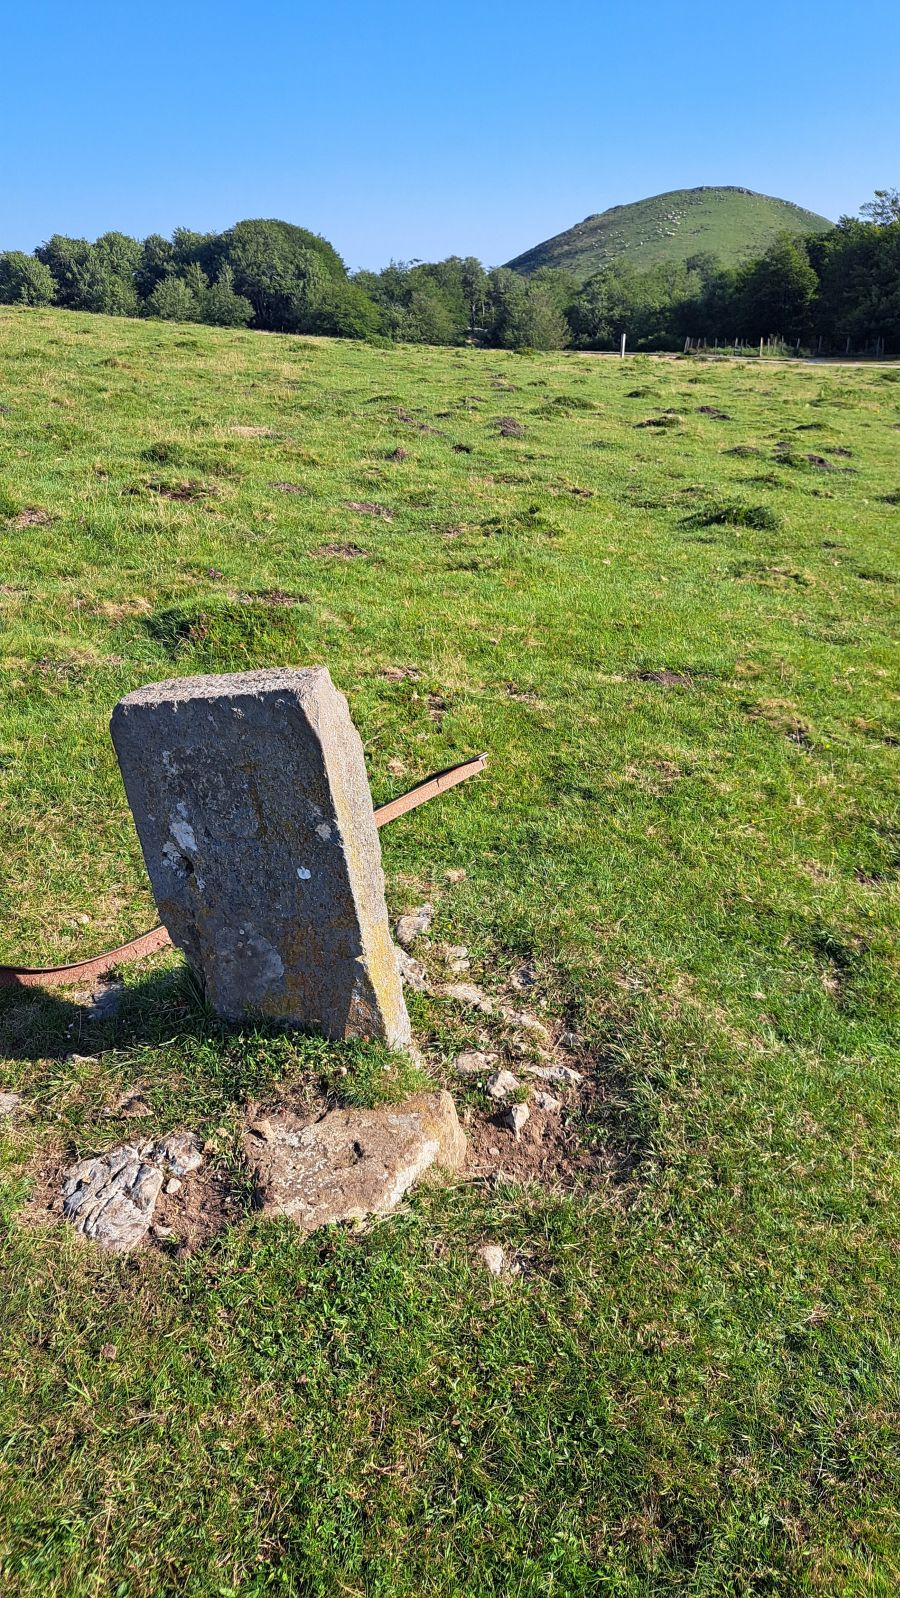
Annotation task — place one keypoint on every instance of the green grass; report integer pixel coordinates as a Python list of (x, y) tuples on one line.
[(732, 224), (691, 1386)]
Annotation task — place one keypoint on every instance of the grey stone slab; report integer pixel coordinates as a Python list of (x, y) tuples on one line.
[(252, 804), (352, 1163)]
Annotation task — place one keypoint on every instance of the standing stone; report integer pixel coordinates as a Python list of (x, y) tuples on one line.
[(252, 805)]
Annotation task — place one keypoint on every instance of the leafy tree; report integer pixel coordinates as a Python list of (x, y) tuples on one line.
[(24, 280), (222, 305), (525, 313), (173, 301), (884, 209), (98, 288), (156, 262), (775, 294), (66, 259)]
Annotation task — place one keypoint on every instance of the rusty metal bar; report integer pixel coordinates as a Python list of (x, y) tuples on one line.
[(17, 976)]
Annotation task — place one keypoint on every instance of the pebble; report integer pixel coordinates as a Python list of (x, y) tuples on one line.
[(173, 1185), (456, 874), (471, 1062), (516, 1116), (546, 1101), (413, 924), (412, 972), (467, 993), (563, 1075), (501, 1084), (494, 1258)]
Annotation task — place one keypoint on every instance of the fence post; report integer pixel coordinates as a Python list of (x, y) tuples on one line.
[(622, 350)]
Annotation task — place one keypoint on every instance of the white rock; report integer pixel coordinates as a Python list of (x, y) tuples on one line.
[(494, 1258), (525, 1020), (179, 1151), (472, 1062), (413, 924), (516, 1116), (412, 972), (10, 1102), (501, 1085), (111, 1199), (173, 1185), (563, 1075), (546, 1101), (468, 994)]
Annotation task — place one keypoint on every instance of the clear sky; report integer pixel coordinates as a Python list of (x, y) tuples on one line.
[(402, 130)]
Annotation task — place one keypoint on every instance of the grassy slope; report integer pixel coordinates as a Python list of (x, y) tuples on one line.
[(689, 1389), (731, 223)]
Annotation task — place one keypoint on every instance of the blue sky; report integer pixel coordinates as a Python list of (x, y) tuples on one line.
[(402, 130)]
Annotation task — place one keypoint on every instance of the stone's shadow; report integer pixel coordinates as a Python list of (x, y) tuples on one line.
[(38, 1023)]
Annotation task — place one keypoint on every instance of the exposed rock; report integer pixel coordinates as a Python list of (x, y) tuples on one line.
[(494, 1258), (412, 972), (563, 1075), (546, 1102), (413, 924), (179, 1152), (111, 1199), (472, 1062), (468, 994), (501, 1085), (251, 800), (173, 1185), (525, 1020), (455, 874), (10, 1103), (352, 1163), (457, 957), (515, 1117)]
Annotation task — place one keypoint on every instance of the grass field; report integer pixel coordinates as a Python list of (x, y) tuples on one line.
[(732, 224), (691, 1384)]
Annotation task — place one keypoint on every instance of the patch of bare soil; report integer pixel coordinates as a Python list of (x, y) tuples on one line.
[(121, 609), (343, 551), (714, 414), (201, 1208), (185, 492), (397, 454), (400, 673), (276, 598), (290, 488), (32, 516), (413, 421), (508, 427), (368, 507), (665, 678)]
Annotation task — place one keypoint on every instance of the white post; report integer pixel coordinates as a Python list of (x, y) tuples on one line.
[(622, 350)]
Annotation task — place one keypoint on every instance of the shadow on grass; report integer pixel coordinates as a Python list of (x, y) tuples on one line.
[(167, 1051)]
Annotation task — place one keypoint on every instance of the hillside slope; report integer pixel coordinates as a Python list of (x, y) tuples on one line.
[(731, 223)]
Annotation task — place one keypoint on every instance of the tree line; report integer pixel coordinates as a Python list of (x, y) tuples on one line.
[(836, 290)]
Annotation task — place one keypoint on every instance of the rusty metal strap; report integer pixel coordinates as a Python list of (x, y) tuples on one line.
[(18, 976)]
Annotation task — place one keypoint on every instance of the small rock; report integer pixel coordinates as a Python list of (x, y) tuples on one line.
[(83, 920), (472, 1062), (468, 994), (414, 924), (494, 1258), (352, 1163), (10, 1103), (457, 957), (494, 1150), (105, 1002), (111, 1199), (525, 1020), (412, 972), (523, 978), (563, 1075), (180, 1151), (546, 1101), (174, 1184), (131, 1104), (516, 1116), (109, 1350), (162, 1231), (455, 875), (501, 1085), (569, 1040)]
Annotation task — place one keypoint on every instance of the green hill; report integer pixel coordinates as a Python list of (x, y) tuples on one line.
[(732, 224)]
